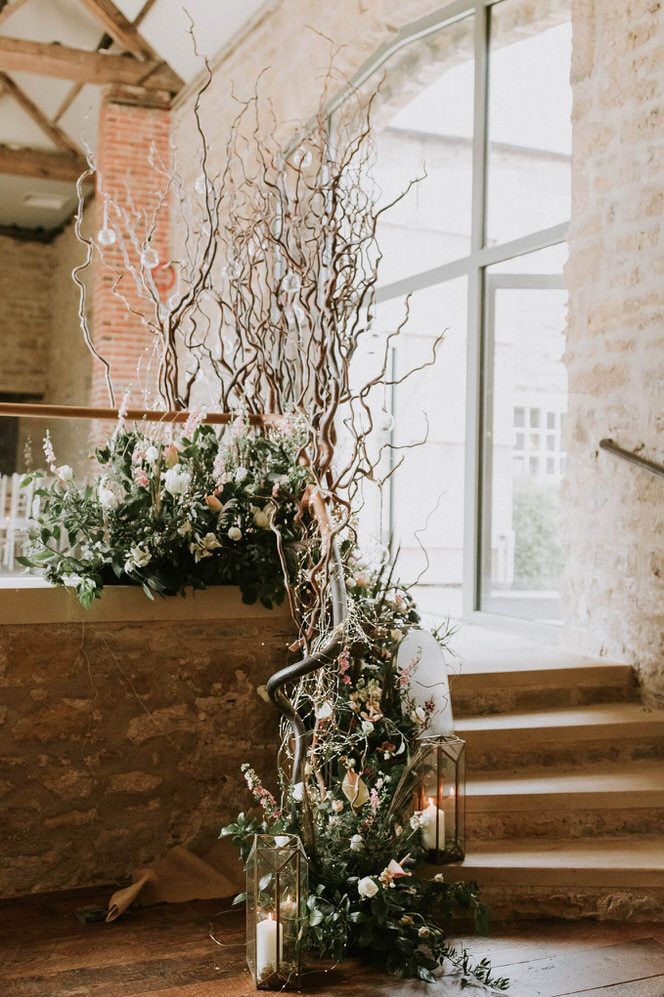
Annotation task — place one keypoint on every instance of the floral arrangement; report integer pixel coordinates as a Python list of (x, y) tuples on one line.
[(188, 510), (366, 897), (285, 320)]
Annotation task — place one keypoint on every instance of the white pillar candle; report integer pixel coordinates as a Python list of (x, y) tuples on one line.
[(433, 837), (266, 946)]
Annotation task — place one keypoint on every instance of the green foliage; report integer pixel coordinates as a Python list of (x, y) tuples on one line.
[(538, 556), (366, 898), (168, 516)]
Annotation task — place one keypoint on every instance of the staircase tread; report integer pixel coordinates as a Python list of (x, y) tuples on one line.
[(584, 853), (571, 716), (522, 675), (633, 777), (562, 866)]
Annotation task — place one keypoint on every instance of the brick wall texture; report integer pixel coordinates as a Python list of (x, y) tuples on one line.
[(128, 137), (615, 338), (26, 278)]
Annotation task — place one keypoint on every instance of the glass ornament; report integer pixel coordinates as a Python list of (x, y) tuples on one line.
[(291, 283), (385, 421), (149, 258), (106, 237), (301, 158)]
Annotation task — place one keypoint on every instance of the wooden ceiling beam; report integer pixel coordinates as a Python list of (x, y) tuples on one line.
[(40, 165), (54, 132), (9, 8), (19, 55), (120, 28)]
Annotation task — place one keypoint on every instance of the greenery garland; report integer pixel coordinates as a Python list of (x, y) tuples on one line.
[(174, 512), (366, 897)]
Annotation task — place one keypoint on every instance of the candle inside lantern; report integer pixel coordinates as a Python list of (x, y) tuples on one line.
[(433, 827), (267, 931)]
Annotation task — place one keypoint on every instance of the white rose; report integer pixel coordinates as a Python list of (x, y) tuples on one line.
[(356, 842), (298, 792), (109, 494), (151, 454), (324, 710), (367, 888), (367, 727), (261, 519), (234, 533), (64, 473), (138, 558), (418, 716), (177, 480)]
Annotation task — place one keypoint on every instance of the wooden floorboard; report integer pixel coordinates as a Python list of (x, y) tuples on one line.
[(170, 951)]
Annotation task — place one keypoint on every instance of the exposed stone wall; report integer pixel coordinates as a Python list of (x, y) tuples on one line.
[(291, 41), (120, 740), (26, 271), (615, 348)]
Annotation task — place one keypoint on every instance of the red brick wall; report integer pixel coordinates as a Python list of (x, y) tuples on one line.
[(126, 136)]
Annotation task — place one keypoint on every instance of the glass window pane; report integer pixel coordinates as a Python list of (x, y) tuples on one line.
[(424, 124), (521, 541), (430, 483), (529, 115)]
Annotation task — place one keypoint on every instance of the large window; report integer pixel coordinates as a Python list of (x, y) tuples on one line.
[(476, 99)]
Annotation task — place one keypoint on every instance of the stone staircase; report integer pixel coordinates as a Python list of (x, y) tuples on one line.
[(565, 792)]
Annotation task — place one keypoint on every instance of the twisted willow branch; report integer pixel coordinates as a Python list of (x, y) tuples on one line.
[(320, 658)]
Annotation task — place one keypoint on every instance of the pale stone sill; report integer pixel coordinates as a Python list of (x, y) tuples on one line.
[(124, 603)]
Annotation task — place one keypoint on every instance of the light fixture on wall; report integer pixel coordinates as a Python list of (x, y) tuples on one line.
[(46, 200)]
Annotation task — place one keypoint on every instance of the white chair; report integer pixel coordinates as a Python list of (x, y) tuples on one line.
[(17, 521)]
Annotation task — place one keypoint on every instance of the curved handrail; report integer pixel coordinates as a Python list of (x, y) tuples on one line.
[(631, 457), (325, 655)]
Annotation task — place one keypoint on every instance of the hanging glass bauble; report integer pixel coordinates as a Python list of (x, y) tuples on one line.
[(291, 283), (301, 158), (106, 236), (149, 258), (385, 421)]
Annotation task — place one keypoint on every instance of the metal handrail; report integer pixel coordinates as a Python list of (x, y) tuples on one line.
[(631, 457)]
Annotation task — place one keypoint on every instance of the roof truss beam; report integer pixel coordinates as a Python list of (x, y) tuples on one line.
[(62, 62), (40, 165), (120, 28), (55, 133)]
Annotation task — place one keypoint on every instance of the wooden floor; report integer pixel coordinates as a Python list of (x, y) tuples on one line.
[(168, 951)]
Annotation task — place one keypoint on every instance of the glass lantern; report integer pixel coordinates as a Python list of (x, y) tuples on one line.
[(277, 889), (439, 771)]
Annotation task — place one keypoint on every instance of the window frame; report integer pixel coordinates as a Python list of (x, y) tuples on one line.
[(473, 266)]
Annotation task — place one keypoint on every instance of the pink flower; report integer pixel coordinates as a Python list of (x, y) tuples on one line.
[(344, 661)]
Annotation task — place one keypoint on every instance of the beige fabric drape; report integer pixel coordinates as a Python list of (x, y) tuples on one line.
[(180, 875)]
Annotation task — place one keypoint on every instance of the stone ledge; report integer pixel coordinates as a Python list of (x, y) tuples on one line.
[(125, 603)]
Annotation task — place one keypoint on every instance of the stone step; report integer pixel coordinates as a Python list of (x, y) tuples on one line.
[(574, 737), (610, 800), (522, 688), (601, 878)]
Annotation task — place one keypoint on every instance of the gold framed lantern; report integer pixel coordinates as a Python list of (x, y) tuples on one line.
[(438, 773), (277, 889)]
